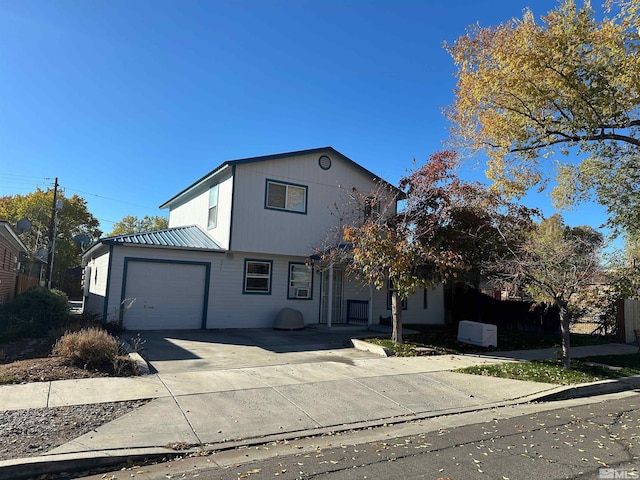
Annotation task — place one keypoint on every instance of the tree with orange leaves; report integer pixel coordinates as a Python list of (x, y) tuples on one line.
[(445, 229)]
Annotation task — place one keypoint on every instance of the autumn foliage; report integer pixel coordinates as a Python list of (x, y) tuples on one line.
[(444, 229), (528, 90)]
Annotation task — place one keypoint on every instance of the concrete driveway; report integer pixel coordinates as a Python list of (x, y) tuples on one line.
[(196, 350)]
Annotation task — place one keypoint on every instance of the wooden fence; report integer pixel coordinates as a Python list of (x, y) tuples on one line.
[(25, 282), (628, 320)]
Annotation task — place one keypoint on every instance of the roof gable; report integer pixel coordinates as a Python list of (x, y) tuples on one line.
[(266, 158)]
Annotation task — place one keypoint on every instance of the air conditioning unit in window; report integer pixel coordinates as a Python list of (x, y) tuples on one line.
[(302, 293)]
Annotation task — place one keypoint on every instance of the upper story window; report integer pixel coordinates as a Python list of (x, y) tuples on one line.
[(286, 196), (257, 276), (213, 207)]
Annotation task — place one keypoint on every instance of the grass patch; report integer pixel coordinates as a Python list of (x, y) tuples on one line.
[(8, 379), (583, 370), (430, 341), (630, 362), (407, 349)]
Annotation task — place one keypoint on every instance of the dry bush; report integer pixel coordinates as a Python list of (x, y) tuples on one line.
[(88, 348)]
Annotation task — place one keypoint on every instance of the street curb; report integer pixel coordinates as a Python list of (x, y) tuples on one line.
[(369, 347), (589, 389), (34, 467), (141, 363)]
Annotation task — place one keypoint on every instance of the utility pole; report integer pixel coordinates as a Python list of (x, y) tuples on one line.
[(52, 235)]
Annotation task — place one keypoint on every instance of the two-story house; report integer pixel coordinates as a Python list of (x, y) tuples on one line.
[(238, 250)]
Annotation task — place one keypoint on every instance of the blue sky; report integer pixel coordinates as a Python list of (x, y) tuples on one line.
[(127, 102)]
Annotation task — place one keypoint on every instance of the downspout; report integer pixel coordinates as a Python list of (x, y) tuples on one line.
[(370, 319), (105, 308), (330, 298)]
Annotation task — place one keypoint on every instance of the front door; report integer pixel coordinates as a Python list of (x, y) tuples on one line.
[(337, 299)]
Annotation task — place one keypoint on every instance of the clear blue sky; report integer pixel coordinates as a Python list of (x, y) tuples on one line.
[(127, 102)]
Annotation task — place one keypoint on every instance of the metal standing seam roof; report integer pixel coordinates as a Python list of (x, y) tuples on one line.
[(177, 237)]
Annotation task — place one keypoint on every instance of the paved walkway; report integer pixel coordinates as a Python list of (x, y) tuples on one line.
[(241, 405)]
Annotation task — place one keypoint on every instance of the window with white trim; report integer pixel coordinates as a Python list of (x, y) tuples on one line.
[(213, 207), (257, 276), (300, 281), (286, 196)]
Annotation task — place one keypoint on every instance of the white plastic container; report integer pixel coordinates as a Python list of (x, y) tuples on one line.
[(481, 334)]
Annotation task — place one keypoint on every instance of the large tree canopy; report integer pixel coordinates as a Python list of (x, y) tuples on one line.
[(527, 90), (133, 224), (445, 229), (72, 219), (552, 263), (462, 219)]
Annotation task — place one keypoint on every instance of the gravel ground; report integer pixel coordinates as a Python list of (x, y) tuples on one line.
[(32, 432)]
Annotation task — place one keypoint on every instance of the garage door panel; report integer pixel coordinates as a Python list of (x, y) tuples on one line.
[(167, 295)]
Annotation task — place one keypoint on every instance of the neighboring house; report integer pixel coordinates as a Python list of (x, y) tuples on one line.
[(238, 250), (10, 249)]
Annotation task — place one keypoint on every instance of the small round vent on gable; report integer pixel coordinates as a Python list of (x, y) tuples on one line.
[(324, 162)]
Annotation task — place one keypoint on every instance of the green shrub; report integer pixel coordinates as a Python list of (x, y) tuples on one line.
[(8, 379), (88, 348), (113, 327), (74, 323), (41, 306), (14, 328)]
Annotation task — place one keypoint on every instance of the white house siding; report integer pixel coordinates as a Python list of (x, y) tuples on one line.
[(195, 210), (415, 312), (98, 275), (257, 229), (227, 305), (221, 234), (418, 315), (231, 308)]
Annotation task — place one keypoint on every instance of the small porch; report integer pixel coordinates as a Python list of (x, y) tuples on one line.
[(344, 303)]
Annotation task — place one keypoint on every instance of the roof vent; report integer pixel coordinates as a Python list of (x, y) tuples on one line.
[(324, 162)]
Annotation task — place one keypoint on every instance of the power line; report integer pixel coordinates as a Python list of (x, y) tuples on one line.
[(32, 177), (110, 198), (12, 181)]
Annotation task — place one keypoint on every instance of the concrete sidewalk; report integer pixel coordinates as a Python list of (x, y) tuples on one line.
[(225, 408)]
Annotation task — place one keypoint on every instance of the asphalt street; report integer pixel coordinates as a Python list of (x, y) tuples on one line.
[(588, 438)]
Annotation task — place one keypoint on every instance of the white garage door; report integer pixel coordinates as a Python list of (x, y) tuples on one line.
[(167, 295)]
